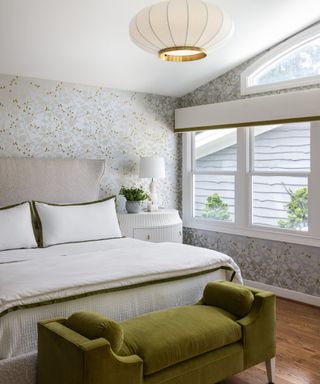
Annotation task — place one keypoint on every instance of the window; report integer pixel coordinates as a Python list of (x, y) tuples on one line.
[(280, 165), (259, 181), (215, 169), (293, 63)]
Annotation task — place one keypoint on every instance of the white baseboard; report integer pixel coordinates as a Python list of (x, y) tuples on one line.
[(286, 293)]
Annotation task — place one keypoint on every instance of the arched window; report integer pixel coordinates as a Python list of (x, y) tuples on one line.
[(294, 63)]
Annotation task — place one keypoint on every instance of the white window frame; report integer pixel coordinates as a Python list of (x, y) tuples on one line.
[(274, 54), (243, 194)]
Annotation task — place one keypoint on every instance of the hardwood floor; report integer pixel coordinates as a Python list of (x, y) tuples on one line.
[(298, 348)]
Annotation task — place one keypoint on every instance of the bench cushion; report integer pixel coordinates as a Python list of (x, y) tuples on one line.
[(234, 298), (185, 332), (94, 325)]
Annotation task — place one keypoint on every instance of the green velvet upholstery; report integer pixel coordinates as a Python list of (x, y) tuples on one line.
[(211, 367), (184, 345), (185, 332), (66, 357), (234, 298), (94, 325), (258, 330)]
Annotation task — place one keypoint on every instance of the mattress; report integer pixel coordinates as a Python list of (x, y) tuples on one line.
[(120, 278)]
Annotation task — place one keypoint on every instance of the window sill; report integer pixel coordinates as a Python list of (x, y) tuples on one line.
[(255, 232)]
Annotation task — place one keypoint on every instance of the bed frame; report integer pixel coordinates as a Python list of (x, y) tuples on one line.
[(49, 180)]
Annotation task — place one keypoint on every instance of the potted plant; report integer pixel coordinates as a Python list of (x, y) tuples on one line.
[(133, 196)]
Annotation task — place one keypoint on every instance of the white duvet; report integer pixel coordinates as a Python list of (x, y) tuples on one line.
[(37, 275)]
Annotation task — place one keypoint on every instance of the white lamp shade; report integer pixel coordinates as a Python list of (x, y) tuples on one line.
[(152, 167)]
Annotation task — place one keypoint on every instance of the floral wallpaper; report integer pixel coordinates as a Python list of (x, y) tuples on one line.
[(291, 266), (48, 119)]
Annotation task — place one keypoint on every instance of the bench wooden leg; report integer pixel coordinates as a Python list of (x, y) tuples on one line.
[(271, 370)]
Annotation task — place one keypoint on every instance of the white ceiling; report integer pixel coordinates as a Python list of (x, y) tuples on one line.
[(87, 42)]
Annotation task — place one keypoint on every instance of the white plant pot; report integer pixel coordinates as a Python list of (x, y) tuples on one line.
[(133, 206)]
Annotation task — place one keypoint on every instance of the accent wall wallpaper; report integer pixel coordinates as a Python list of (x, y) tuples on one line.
[(291, 266), (285, 265), (48, 119)]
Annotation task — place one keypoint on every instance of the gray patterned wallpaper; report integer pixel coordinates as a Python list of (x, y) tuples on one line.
[(285, 265), (290, 266), (48, 119)]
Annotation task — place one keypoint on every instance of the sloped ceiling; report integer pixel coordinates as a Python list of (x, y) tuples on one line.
[(87, 42)]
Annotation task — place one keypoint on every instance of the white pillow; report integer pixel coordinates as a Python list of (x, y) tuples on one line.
[(70, 223), (16, 229)]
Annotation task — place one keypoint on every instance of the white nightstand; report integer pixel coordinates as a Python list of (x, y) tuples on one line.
[(162, 225)]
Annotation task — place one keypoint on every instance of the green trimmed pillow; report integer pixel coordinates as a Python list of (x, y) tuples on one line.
[(16, 227), (70, 223), (231, 297), (93, 325)]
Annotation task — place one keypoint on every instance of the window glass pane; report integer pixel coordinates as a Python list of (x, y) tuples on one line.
[(214, 197), (282, 148), (216, 150), (280, 202), (303, 61)]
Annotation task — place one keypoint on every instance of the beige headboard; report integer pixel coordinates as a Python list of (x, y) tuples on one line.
[(49, 180)]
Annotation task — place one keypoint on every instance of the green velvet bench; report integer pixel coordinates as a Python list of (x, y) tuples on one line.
[(231, 329)]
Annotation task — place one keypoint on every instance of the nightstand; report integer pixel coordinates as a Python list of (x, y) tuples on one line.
[(162, 225)]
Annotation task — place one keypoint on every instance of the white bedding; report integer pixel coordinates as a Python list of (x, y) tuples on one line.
[(62, 272), (39, 275)]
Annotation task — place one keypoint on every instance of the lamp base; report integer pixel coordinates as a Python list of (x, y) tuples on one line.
[(152, 207)]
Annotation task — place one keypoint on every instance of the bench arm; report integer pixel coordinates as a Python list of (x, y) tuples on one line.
[(67, 357), (102, 365), (259, 329)]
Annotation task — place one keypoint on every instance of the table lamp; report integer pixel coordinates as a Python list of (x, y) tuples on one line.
[(152, 167)]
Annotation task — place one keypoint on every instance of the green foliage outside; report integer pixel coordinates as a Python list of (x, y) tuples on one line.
[(297, 210), (134, 194), (215, 208)]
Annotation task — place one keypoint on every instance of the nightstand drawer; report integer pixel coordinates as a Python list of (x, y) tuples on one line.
[(158, 226), (157, 235)]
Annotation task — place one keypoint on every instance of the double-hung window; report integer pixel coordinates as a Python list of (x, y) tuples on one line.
[(261, 181)]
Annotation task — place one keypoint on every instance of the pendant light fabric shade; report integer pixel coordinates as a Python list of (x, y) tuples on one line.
[(180, 30)]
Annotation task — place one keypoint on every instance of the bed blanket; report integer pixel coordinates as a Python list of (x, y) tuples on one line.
[(64, 272)]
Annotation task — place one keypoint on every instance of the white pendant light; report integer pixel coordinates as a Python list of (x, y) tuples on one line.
[(180, 30)]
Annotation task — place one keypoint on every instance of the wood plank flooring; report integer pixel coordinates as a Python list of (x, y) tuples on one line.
[(298, 348)]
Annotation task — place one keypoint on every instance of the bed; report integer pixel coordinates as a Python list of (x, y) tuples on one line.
[(119, 277)]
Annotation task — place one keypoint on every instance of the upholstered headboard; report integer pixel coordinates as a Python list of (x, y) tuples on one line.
[(49, 180)]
